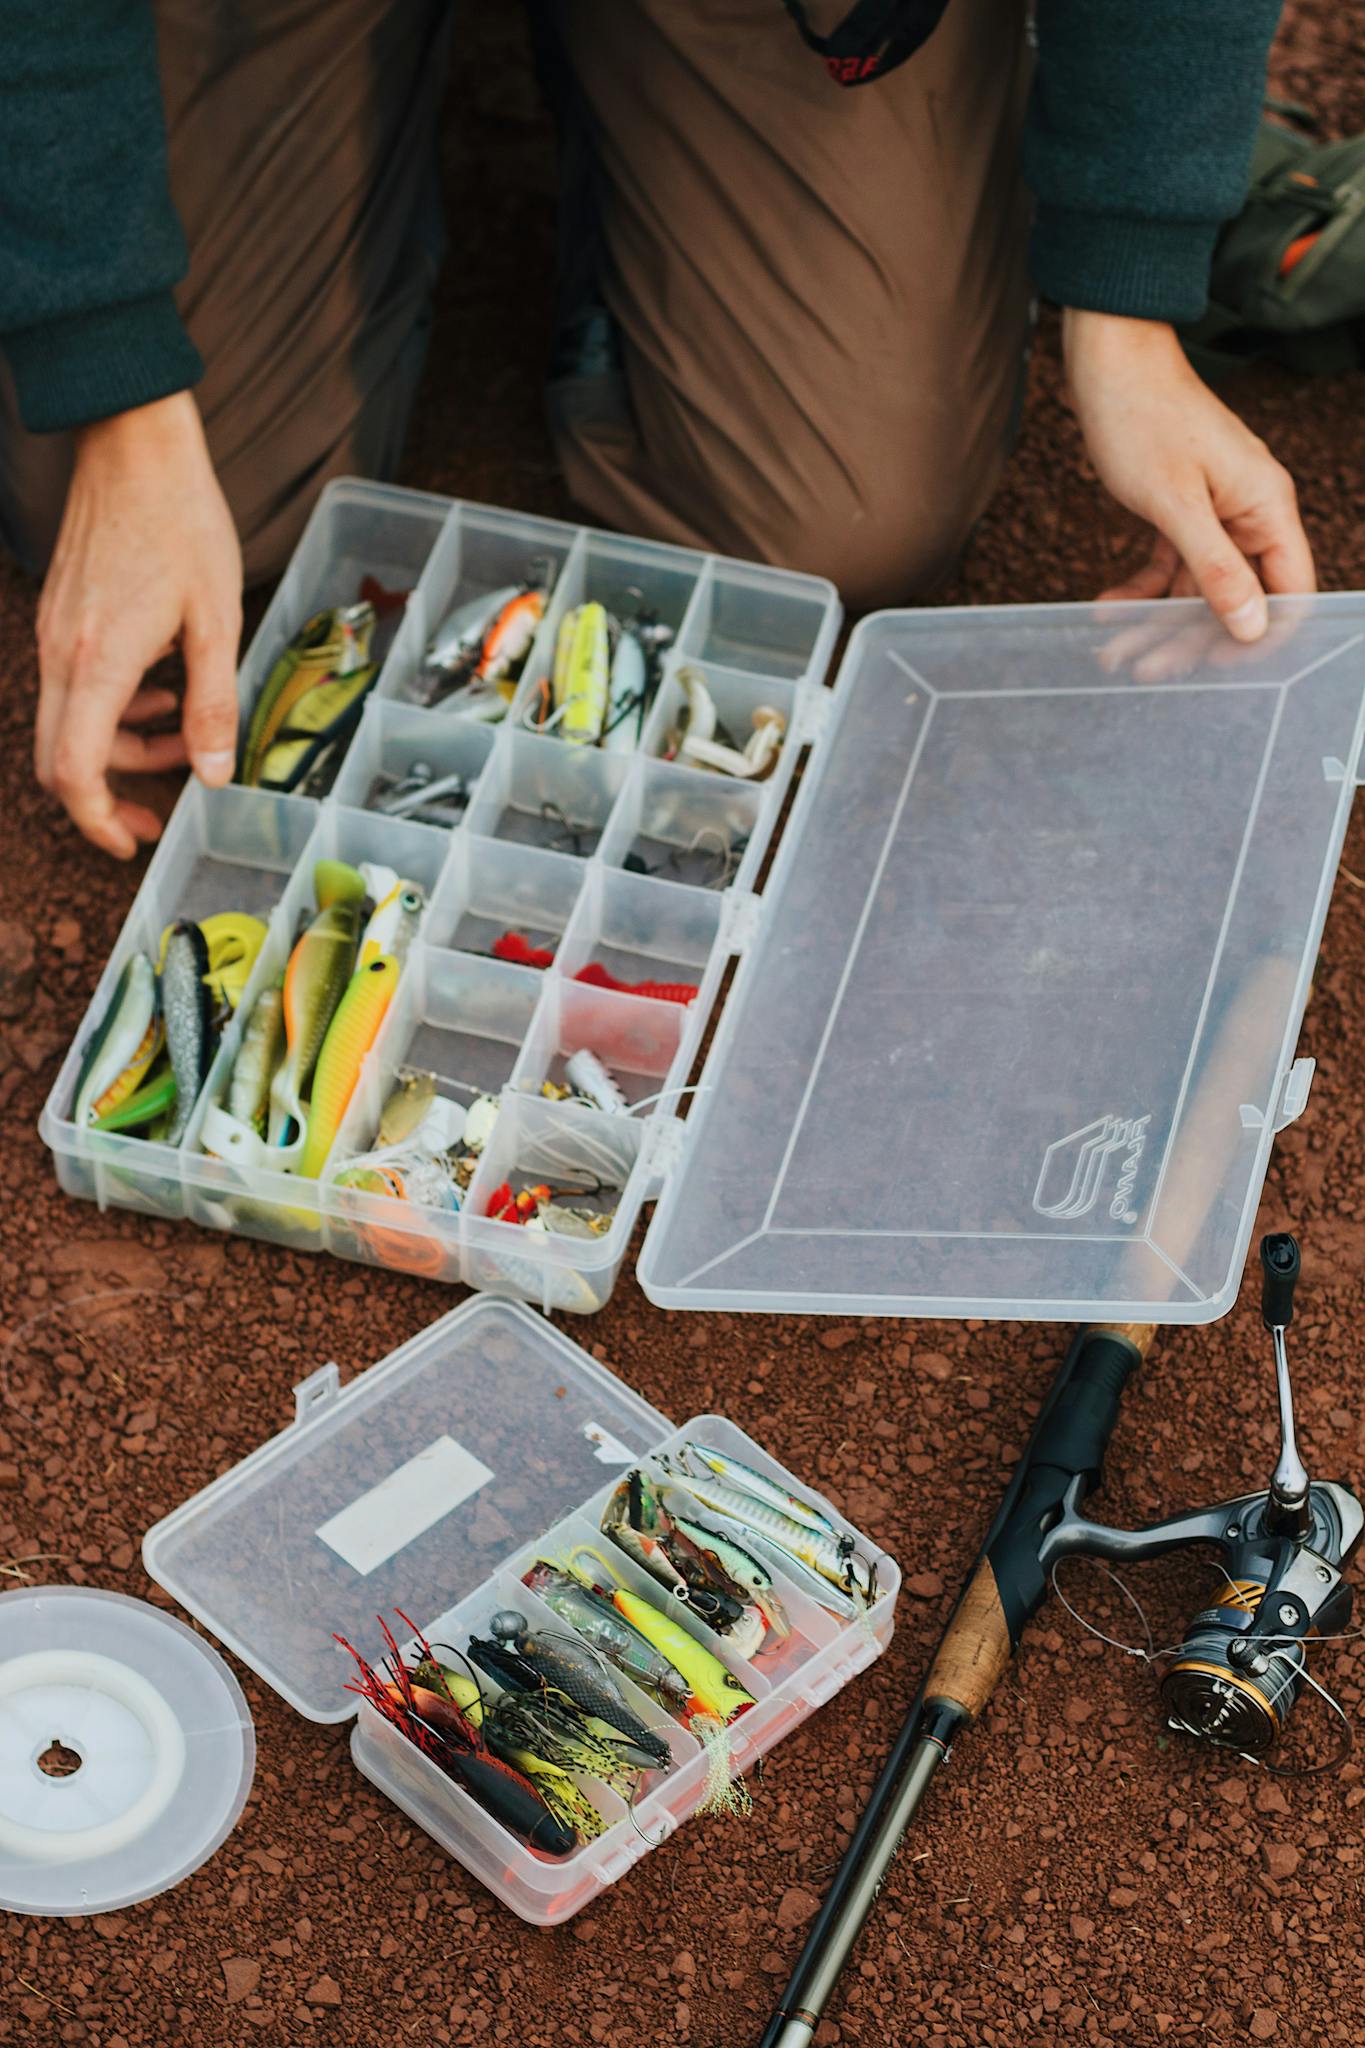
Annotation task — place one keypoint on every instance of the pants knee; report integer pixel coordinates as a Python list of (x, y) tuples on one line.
[(888, 550)]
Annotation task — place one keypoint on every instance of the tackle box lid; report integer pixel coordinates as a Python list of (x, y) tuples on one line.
[(1014, 1026), (407, 1488)]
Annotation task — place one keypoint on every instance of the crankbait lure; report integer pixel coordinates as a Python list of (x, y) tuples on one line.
[(799, 1530), (715, 1688), (587, 1609), (739, 1566)]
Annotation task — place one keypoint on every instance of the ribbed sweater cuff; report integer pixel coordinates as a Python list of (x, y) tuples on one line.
[(1145, 269), (89, 366)]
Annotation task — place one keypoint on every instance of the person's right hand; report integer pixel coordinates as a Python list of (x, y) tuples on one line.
[(147, 558)]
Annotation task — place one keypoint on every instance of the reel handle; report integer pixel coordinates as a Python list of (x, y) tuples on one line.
[(1280, 1268)]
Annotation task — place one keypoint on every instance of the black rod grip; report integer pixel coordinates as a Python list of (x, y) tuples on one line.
[(1280, 1266), (1069, 1444)]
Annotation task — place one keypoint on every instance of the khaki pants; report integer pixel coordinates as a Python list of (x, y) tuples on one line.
[(819, 294)]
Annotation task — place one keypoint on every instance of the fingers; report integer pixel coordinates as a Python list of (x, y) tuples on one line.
[(210, 721), (1222, 574), (150, 703), (134, 755), (1153, 579), (1286, 557)]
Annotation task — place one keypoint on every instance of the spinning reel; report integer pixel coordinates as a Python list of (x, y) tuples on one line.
[(1235, 1677)]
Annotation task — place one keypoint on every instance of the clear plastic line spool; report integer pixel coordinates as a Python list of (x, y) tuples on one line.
[(126, 1751)]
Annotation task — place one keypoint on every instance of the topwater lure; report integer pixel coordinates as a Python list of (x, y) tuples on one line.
[(310, 698)]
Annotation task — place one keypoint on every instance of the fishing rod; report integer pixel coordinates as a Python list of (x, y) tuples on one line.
[(1232, 1682)]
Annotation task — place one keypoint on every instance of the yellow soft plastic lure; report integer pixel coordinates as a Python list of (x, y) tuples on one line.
[(582, 677), (135, 1073), (716, 1691), (350, 1035)]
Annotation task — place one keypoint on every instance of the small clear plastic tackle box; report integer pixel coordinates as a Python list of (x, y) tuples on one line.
[(431, 1483), (1014, 1016)]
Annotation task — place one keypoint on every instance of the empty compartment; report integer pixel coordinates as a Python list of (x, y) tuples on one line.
[(413, 764), (635, 1041), (639, 930), (739, 699), (763, 619), (539, 793), (682, 827), (493, 890), (224, 849)]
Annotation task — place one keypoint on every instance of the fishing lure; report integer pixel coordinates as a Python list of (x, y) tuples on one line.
[(392, 926), (143, 1106), (458, 1746), (315, 980), (406, 1107), (508, 640), (635, 1521), (587, 1609), (234, 940), (350, 1035), (581, 679), (118, 1038), (318, 679), (709, 1682), (699, 742), (596, 976), (588, 1077), (768, 1511), (188, 1011), (740, 1567), (516, 1655), (259, 1054), (457, 640)]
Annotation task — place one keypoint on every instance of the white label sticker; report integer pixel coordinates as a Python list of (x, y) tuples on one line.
[(606, 1448), (405, 1505)]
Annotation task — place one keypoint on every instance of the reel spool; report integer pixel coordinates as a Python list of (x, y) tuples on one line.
[(1229, 1692)]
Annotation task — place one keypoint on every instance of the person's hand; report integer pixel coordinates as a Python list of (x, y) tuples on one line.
[(147, 558), (1223, 511)]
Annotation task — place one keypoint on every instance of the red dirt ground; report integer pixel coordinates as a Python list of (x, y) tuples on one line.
[(1076, 1877)]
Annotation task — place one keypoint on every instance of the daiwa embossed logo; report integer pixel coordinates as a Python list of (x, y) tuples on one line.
[(1077, 1168)]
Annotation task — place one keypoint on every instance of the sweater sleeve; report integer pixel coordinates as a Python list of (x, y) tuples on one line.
[(1138, 145), (90, 245)]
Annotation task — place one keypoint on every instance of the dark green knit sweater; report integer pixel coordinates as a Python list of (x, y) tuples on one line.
[(1138, 140)]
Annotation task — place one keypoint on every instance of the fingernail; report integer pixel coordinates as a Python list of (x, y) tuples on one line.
[(1248, 622), (215, 769)]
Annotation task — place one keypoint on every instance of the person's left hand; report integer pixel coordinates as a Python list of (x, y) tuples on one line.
[(1224, 513)]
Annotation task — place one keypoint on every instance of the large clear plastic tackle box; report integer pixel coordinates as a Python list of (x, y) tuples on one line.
[(1015, 1012), (431, 1483)]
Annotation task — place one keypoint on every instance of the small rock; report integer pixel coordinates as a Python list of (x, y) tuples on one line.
[(924, 1585), (1081, 1928), (241, 1974), (325, 1992), (1078, 1711), (1263, 2023), (835, 1340), (18, 970), (1281, 1859), (796, 1905)]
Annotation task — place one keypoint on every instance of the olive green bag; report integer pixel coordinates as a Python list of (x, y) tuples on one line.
[(1288, 276)]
